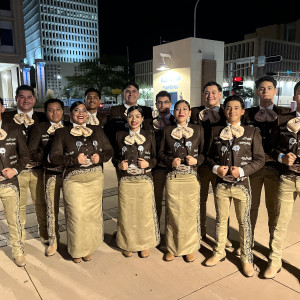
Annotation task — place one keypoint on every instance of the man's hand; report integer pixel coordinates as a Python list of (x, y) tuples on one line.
[(289, 158), (9, 173), (235, 172), (222, 171)]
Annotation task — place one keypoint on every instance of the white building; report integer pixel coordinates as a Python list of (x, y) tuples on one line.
[(59, 32)]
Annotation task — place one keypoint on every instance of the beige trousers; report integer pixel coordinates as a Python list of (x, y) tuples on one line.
[(53, 186), (242, 203), (288, 190), (9, 195), (206, 176), (268, 177), (33, 180)]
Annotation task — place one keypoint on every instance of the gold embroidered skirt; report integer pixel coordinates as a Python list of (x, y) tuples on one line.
[(183, 234), (83, 207), (137, 221)]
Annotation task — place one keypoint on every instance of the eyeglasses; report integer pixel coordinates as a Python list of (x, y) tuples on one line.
[(163, 102)]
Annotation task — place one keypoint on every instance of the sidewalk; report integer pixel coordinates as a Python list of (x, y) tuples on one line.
[(111, 276)]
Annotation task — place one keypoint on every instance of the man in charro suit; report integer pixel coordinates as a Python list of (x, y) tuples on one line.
[(92, 99), (32, 176), (159, 172), (264, 117), (234, 153), (287, 154), (39, 148), (13, 158), (209, 115), (118, 117)]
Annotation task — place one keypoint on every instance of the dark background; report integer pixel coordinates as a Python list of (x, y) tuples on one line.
[(138, 25)]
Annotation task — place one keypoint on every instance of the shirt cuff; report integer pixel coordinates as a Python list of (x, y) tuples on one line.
[(215, 169), (280, 156), (242, 173), (16, 171)]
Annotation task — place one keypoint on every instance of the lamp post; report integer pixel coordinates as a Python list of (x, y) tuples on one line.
[(57, 83), (195, 9)]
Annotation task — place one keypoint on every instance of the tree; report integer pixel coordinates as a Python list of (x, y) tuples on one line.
[(107, 73)]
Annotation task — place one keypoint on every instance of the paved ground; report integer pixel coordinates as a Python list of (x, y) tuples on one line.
[(111, 276)]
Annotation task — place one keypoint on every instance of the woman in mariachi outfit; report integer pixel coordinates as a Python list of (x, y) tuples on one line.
[(82, 149), (181, 151), (135, 157)]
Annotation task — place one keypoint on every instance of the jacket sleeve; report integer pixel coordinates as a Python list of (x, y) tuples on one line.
[(258, 155), (162, 154), (152, 161), (107, 149), (23, 153), (34, 147), (201, 156), (210, 155)]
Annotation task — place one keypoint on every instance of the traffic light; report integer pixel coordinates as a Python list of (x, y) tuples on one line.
[(237, 83)]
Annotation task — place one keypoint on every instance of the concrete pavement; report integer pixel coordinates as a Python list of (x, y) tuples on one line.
[(111, 276)]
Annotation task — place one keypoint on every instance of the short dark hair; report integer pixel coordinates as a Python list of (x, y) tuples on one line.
[(134, 107), (163, 94), (1, 101), (296, 87), (24, 87), (212, 83), (128, 83), (75, 104), (266, 78), (182, 101), (92, 89), (53, 101), (234, 98)]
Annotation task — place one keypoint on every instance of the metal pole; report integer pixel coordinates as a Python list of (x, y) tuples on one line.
[(195, 9)]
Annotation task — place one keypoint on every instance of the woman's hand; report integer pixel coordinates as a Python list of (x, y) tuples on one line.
[(176, 162), (143, 164), (190, 160), (82, 159), (123, 165), (222, 171), (95, 158)]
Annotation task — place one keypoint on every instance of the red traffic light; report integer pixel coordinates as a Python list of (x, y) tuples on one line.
[(237, 79)]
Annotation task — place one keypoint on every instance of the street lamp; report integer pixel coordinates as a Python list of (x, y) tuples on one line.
[(57, 83), (195, 9), (162, 66)]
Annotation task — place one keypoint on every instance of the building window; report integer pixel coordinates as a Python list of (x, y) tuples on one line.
[(6, 37), (5, 5)]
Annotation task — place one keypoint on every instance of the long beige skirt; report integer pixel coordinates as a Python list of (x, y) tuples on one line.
[(83, 207), (137, 222), (183, 234)]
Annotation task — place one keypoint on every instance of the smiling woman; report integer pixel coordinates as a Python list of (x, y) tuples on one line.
[(82, 149)]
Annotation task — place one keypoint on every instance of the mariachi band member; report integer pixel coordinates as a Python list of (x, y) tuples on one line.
[(234, 153), (39, 148), (264, 116), (32, 175), (13, 158), (135, 157), (159, 172), (209, 115), (287, 153), (92, 99), (118, 113), (181, 151), (82, 149)]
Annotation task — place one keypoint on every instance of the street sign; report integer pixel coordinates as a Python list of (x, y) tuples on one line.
[(261, 61), (273, 59)]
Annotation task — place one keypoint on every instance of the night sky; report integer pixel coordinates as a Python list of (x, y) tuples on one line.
[(139, 25)]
